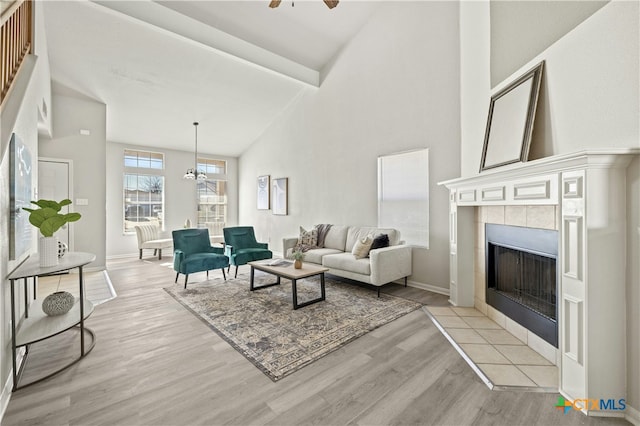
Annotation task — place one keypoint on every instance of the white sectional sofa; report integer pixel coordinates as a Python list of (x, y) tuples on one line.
[(382, 266)]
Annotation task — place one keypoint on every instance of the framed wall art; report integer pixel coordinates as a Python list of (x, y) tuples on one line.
[(20, 230), (280, 196), (510, 123), (264, 187)]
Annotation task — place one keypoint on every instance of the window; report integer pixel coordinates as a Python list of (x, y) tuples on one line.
[(143, 192), (212, 196), (143, 159), (403, 195), (212, 167)]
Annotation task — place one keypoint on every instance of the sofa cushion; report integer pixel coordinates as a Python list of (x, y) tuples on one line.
[(157, 244), (336, 238), (316, 255), (361, 247), (347, 262), (246, 255), (356, 233), (203, 262)]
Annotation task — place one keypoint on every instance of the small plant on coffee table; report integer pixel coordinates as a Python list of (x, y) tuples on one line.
[(298, 256)]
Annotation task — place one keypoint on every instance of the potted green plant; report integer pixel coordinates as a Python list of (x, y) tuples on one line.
[(298, 257), (48, 219)]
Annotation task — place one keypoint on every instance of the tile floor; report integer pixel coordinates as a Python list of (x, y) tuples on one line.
[(500, 359), (97, 285)]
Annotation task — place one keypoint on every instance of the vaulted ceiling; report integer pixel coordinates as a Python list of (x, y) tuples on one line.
[(234, 66)]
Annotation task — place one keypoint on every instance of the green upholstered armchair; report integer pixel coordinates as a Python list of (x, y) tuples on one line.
[(192, 252), (241, 246)]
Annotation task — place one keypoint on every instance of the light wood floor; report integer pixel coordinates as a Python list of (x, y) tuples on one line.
[(157, 364)]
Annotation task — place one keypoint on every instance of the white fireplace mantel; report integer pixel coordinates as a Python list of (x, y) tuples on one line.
[(589, 190), (531, 182)]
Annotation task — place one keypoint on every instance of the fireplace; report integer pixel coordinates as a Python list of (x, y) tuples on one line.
[(582, 196), (521, 276)]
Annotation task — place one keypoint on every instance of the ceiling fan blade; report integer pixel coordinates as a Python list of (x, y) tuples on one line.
[(274, 3), (331, 3)]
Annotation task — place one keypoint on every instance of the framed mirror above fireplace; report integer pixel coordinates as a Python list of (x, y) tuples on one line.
[(510, 122)]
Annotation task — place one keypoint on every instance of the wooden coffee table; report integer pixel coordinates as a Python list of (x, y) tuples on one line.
[(286, 270)]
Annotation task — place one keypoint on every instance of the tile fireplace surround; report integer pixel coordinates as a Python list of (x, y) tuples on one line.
[(582, 196)]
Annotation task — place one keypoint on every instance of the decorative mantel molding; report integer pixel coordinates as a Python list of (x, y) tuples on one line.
[(588, 190), (533, 182)]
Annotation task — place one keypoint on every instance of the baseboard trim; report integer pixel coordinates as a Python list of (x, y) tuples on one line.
[(122, 256), (632, 415), (5, 396), (165, 257), (429, 287)]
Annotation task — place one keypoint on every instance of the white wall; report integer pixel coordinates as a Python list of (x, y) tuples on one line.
[(40, 48), (394, 87), (70, 115), (19, 115), (589, 92), (521, 30), (475, 82), (180, 195), (26, 128), (590, 96), (589, 100)]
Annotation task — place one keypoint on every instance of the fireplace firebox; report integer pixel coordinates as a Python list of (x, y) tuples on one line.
[(521, 276)]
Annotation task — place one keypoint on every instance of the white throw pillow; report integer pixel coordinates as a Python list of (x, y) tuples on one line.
[(361, 247)]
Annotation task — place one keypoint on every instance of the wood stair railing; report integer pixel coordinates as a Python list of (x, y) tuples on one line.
[(16, 41)]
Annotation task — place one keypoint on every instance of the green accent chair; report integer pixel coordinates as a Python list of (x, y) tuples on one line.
[(241, 246), (192, 252)]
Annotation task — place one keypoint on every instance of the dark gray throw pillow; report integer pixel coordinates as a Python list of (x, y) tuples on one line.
[(380, 241)]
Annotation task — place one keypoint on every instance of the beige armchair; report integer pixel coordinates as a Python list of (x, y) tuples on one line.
[(148, 239)]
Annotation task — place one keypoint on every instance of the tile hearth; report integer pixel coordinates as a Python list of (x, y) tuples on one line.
[(501, 360)]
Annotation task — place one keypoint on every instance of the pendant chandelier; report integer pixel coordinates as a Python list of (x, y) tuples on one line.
[(195, 174)]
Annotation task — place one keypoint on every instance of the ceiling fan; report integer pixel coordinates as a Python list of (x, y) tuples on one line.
[(330, 3)]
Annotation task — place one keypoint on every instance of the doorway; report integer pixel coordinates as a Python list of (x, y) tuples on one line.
[(54, 183)]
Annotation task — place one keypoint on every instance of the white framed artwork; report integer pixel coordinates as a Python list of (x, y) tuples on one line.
[(264, 186), (279, 196)]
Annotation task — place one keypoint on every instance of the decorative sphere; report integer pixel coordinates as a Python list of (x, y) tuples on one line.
[(58, 303), (62, 248)]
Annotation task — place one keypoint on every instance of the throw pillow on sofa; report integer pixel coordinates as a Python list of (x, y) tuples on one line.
[(361, 247), (308, 238), (380, 241)]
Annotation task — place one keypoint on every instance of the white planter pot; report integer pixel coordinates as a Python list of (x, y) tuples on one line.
[(48, 251)]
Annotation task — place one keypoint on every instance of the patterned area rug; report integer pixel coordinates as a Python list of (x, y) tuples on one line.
[(263, 326)]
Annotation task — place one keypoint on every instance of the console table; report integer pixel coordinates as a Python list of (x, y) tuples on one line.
[(36, 325)]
